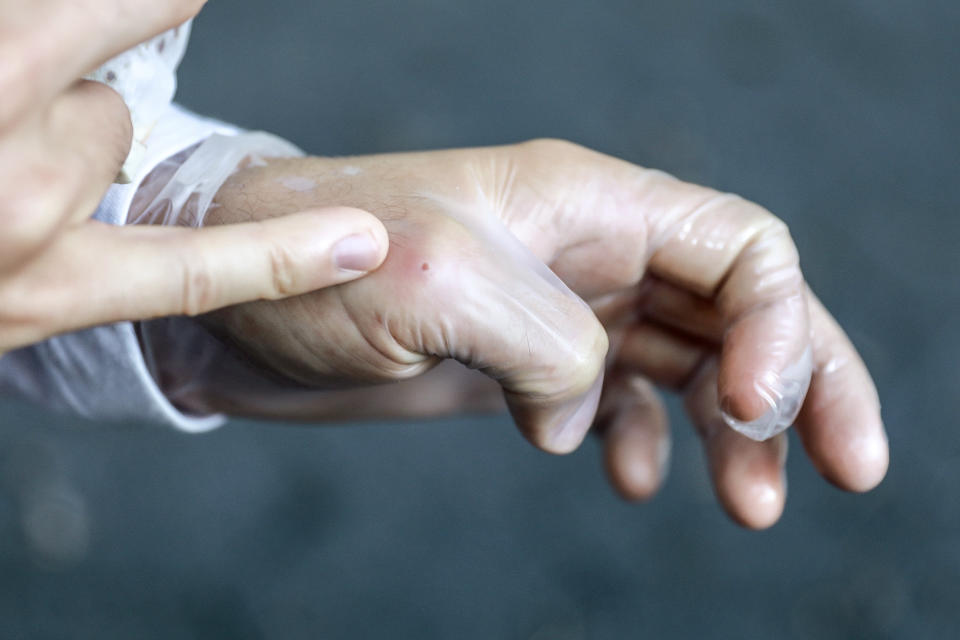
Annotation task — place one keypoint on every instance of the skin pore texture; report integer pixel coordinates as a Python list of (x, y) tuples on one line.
[(578, 283)]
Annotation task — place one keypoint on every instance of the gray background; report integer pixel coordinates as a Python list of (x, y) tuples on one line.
[(839, 116)]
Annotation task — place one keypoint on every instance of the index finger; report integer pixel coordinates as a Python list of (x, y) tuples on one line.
[(95, 273), (46, 45), (722, 246)]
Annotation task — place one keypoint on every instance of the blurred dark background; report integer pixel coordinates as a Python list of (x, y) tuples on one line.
[(841, 117)]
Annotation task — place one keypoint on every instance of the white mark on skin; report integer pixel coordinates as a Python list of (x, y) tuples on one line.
[(835, 364), (866, 452), (254, 161), (351, 170), (298, 183), (763, 494)]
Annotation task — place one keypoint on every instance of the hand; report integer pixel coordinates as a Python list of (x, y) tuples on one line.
[(62, 143), (697, 291)]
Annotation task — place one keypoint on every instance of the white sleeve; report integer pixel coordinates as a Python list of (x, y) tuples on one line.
[(101, 373)]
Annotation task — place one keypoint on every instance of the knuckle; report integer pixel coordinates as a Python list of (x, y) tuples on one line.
[(118, 129), (94, 112), (24, 315), (552, 146), (577, 360), (781, 231), (767, 267), (774, 237), (587, 353), (198, 289), (283, 272), (113, 110), (29, 220), (761, 218)]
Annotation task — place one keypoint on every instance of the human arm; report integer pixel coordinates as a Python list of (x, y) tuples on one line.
[(696, 290)]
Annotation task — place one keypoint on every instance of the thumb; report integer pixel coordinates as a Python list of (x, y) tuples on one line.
[(96, 274), (514, 320)]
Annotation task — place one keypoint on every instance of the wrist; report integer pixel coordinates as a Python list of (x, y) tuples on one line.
[(180, 190)]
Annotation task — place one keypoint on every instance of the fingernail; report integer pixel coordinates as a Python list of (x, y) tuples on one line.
[(358, 252)]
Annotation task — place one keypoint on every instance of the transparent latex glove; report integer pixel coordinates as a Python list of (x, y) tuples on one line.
[(455, 285), (697, 291)]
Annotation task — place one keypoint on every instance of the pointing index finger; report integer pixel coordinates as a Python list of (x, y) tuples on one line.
[(95, 273)]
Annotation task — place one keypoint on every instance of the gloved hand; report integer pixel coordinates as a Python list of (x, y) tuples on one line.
[(62, 143), (696, 290)]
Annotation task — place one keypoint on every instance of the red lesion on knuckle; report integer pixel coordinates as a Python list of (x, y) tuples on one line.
[(417, 273), (427, 254)]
